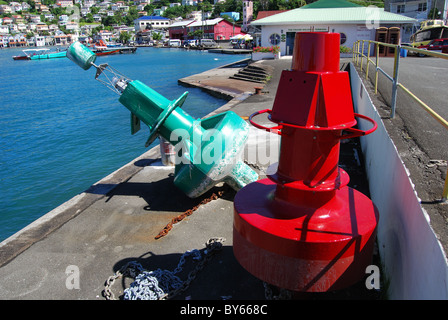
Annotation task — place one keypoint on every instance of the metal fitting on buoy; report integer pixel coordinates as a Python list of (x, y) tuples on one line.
[(303, 228)]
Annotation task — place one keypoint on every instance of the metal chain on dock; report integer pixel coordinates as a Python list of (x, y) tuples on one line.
[(161, 284), (255, 166), (187, 213), (283, 294)]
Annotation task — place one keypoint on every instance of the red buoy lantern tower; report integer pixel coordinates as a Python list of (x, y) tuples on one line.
[(303, 228)]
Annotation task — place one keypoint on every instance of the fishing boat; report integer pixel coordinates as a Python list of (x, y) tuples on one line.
[(106, 52), (40, 54)]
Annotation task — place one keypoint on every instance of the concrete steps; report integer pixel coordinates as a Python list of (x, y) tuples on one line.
[(252, 73)]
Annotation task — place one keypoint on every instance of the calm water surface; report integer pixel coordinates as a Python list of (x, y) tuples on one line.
[(61, 131)]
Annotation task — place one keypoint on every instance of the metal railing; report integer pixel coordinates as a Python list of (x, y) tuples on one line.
[(358, 56)]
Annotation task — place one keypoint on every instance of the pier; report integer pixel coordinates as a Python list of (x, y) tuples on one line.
[(118, 218), (136, 214)]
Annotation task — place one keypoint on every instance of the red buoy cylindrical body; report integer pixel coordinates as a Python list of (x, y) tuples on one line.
[(303, 228)]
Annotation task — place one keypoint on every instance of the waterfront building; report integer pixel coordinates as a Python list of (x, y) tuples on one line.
[(64, 39), (352, 21), (178, 30), (151, 22), (4, 41), (143, 36), (18, 40), (216, 29)]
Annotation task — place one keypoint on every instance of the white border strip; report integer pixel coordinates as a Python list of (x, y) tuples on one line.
[(414, 261)]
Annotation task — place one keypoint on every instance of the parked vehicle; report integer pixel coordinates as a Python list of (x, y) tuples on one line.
[(439, 45), (190, 43), (207, 43), (175, 43)]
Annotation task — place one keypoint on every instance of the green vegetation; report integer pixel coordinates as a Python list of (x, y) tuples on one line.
[(127, 17)]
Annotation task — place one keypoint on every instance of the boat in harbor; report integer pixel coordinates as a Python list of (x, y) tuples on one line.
[(101, 48), (106, 52), (40, 54), (101, 51)]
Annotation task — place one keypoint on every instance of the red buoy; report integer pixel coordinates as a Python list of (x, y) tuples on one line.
[(303, 228)]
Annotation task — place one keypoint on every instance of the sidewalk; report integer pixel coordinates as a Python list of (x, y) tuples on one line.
[(117, 219)]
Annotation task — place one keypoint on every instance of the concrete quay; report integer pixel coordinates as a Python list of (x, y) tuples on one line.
[(118, 219)]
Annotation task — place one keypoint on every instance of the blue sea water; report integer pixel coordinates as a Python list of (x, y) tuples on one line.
[(61, 130)]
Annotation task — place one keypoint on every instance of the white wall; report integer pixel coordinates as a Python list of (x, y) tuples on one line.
[(353, 33), (413, 260)]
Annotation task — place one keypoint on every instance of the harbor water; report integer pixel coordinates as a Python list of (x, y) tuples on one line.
[(61, 131)]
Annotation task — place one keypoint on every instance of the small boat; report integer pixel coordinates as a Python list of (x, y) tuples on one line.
[(25, 57), (40, 54), (106, 52)]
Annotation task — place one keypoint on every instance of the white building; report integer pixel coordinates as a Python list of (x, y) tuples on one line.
[(418, 9), (39, 41), (151, 22), (195, 15), (15, 6), (5, 9), (64, 3), (352, 21), (4, 29), (189, 2), (89, 3)]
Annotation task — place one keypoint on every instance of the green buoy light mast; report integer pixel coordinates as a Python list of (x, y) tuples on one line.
[(209, 150)]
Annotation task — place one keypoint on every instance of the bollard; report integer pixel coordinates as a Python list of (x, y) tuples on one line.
[(210, 149), (303, 228)]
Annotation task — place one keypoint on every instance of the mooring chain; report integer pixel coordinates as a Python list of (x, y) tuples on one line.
[(160, 284), (187, 213), (284, 294), (255, 166), (131, 269)]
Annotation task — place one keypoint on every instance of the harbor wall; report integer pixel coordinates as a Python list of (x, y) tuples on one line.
[(413, 261)]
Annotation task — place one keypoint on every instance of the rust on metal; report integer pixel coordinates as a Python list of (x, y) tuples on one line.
[(169, 226)]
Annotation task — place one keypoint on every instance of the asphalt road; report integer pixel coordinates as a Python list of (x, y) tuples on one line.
[(421, 141), (427, 78)]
